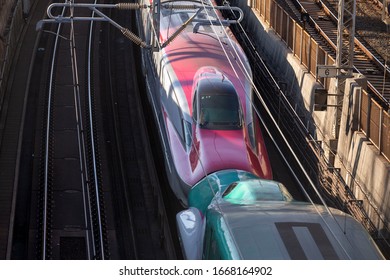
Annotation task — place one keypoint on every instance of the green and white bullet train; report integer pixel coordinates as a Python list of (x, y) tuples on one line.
[(234, 214)]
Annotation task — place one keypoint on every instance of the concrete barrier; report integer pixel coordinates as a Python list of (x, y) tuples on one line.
[(351, 152), (357, 158)]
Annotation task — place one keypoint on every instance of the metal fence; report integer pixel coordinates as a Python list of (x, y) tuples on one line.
[(351, 197), (374, 121)]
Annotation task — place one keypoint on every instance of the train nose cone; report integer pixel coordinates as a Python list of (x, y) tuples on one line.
[(220, 149)]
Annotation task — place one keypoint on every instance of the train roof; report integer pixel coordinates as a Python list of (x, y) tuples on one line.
[(253, 218), (203, 45), (292, 230)]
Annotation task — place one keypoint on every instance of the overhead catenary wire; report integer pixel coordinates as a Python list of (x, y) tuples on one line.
[(248, 75), (97, 187), (47, 184), (94, 234), (80, 129), (306, 132), (241, 66), (281, 134), (302, 125)]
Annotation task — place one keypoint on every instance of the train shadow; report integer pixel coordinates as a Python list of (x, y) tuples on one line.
[(280, 91)]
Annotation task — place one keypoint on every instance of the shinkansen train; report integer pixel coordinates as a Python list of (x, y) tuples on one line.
[(217, 162), (236, 215), (204, 95)]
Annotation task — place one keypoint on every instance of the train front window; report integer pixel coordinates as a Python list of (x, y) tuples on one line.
[(255, 190), (219, 111)]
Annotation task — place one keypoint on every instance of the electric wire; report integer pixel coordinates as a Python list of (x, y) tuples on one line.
[(80, 133), (87, 208), (285, 140), (241, 65), (248, 76), (93, 146), (302, 125)]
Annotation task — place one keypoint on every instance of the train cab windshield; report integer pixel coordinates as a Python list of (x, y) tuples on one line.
[(219, 108), (251, 191)]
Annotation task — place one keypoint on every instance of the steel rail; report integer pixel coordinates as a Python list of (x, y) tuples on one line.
[(47, 142), (116, 126), (82, 146), (95, 176), (80, 136), (91, 191), (356, 40), (316, 148), (370, 56)]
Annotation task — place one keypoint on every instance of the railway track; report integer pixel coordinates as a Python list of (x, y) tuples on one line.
[(72, 215), (370, 27), (113, 171), (150, 234), (86, 181), (145, 227), (310, 155), (322, 26)]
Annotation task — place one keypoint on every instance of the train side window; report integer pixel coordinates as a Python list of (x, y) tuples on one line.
[(187, 133), (252, 137), (195, 107)]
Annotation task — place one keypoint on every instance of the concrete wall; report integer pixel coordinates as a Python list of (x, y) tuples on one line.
[(300, 83), (358, 158), (354, 155)]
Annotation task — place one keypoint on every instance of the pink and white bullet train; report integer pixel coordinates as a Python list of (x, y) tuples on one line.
[(204, 96), (216, 158)]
